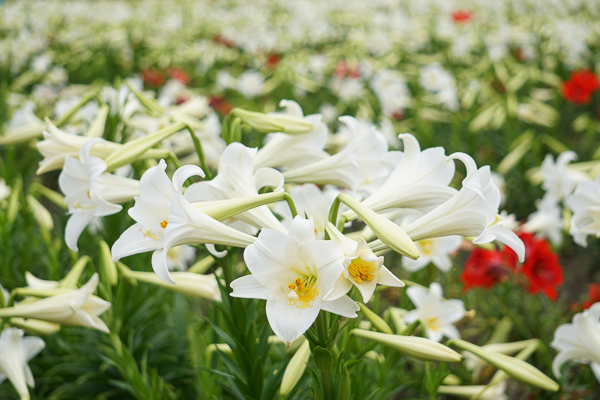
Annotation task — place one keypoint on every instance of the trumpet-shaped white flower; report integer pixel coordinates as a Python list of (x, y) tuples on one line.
[(310, 201), (23, 126), (420, 179), (473, 211), (579, 341), (547, 220), (77, 307), (340, 169), (15, 353), (436, 251), (89, 192), (236, 179), (437, 314), (290, 151), (558, 178), (362, 268), (293, 272), (585, 204), (151, 212)]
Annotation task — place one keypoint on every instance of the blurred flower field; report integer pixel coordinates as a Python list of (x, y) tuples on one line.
[(222, 199)]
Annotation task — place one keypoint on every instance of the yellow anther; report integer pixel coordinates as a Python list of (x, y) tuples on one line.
[(164, 224), (427, 246), (302, 292), (432, 323), (360, 270), (292, 286)]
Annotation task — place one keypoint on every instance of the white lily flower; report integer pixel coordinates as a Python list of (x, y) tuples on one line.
[(290, 151), (77, 307), (89, 192), (579, 341), (15, 353), (558, 178), (420, 179), (436, 251), (340, 169), (547, 220), (236, 179), (178, 258), (362, 268), (310, 201), (151, 212), (293, 272), (23, 126), (585, 204), (437, 314), (4, 190), (473, 211)]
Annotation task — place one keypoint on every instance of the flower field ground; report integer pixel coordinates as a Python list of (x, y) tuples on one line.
[(394, 199)]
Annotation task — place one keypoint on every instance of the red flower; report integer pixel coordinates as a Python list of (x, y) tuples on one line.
[(224, 41), (541, 266), (485, 268), (593, 295), (461, 16), (180, 75), (341, 69), (273, 60), (220, 104), (153, 77), (580, 87)]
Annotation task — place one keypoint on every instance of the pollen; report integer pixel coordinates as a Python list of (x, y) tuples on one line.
[(427, 247), (164, 224), (302, 292), (88, 194), (360, 270), (432, 323)]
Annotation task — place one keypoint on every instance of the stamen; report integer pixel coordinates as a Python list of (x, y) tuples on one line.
[(302, 292), (359, 270), (164, 224)]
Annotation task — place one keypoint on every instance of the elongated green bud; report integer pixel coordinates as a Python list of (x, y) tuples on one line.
[(416, 347), (40, 213), (273, 123), (295, 369), (514, 367), (375, 319), (108, 265)]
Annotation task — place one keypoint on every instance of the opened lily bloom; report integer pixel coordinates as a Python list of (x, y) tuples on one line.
[(559, 179), (89, 192), (578, 341), (293, 272), (585, 204), (436, 251), (151, 212), (15, 353), (362, 268), (437, 314)]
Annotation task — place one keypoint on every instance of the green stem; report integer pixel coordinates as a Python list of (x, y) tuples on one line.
[(291, 204), (199, 151), (327, 381)]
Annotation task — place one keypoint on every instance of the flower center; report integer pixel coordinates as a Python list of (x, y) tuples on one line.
[(164, 224), (302, 292), (427, 247), (360, 270), (497, 219), (432, 323), (76, 204)]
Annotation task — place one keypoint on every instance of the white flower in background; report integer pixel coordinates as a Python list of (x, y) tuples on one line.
[(171, 92), (250, 83), (15, 353), (435, 79), (329, 112), (437, 314), (347, 89), (436, 251), (41, 64), (391, 91), (77, 307), (57, 76), (237, 178), (225, 81), (501, 183), (179, 258), (4, 190), (89, 192), (473, 211), (283, 150), (85, 113), (362, 268), (547, 220), (23, 125), (585, 204), (579, 341), (209, 135), (44, 94), (558, 178), (419, 179), (151, 212), (310, 201), (122, 101), (293, 272)]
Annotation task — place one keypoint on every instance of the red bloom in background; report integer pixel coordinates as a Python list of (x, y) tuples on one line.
[(485, 268), (180, 75), (220, 105), (341, 69), (273, 60), (580, 87), (541, 267), (593, 295), (461, 16), (153, 77)]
